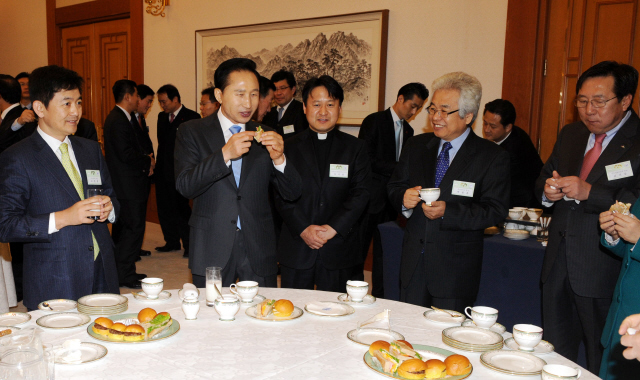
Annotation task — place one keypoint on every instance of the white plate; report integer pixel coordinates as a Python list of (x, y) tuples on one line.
[(443, 318), (497, 327), (368, 336), (366, 301), (543, 347), (58, 305), (512, 362), (329, 309), (104, 300), (141, 296), (63, 320), (14, 319), (90, 353), (297, 313), (472, 335)]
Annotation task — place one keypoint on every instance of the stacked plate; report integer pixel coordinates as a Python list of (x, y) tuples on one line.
[(516, 234), (103, 304), (513, 362), (472, 339)]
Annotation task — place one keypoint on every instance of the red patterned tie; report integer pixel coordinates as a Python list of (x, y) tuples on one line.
[(171, 117), (591, 157)]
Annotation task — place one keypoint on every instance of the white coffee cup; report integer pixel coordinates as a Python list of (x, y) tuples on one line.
[(227, 306), (152, 286), (560, 372), (246, 290), (516, 213), (429, 195), (483, 316), (357, 290), (534, 213), (527, 336)]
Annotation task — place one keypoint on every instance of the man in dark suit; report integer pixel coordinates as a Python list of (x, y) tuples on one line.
[(442, 249), (25, 99), (227, 173), (87, 129), (385, 133), (267, 91), (288, 117), (208, 103), (173, 209), (12, 116), (43, 180), (321, 232), (131, 167), (579, 178), (498, 126)]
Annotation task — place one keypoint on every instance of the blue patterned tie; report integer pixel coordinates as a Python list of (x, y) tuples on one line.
[(443, 163), (236, 165)]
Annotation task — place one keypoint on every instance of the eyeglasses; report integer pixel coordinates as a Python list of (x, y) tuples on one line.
[(595, 103), (443, 114), (282, 88)]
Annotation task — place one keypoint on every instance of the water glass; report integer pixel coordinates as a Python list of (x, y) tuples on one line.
[(214, 284), (93, 193)]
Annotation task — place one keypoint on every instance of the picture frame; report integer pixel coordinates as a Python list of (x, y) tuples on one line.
[(351, 47)]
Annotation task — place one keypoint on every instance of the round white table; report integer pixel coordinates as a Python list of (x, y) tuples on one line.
[(310, 347)]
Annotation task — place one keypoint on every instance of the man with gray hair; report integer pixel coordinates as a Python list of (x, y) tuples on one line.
[(442, 250)]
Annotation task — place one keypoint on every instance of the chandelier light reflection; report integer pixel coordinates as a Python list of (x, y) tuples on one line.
[(156, 7)]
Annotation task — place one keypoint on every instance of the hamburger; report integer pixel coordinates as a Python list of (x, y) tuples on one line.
[(102, 325), (377, 345), (436, 369), (457, 365), (146, 315), (412, 369), (116, 332), (134, 333), (282, 308)]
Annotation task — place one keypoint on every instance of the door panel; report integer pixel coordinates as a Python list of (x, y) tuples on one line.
[(76, 47)]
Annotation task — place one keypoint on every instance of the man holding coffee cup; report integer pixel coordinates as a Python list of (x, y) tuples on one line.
[(442, 250)]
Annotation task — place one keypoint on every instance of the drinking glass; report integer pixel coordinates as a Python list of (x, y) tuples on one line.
[(543, 234), (93, 193), (214, 284)]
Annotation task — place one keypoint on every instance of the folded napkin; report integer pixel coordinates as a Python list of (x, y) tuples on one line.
[(326, 308), (69, 352)]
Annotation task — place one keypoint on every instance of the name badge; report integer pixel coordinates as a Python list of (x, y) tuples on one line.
[(93, 177), (619, 170), (464, 189), (338, 171), (288, 129)]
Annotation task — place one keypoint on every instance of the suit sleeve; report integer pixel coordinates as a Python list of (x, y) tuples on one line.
[(123, 137), (370, 133), (492, 206), (107, 186), (16, 224), (194, 173), (353, 207), (287, 184)]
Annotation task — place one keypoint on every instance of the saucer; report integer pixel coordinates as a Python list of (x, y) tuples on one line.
[(497, 327), (256, 300), (142, 296), (543, 347), (367, 336), (366, 301), (441, 317)]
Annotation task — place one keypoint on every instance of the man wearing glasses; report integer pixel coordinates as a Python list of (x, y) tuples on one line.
[(287, 117), (442, 250), (581, 180)]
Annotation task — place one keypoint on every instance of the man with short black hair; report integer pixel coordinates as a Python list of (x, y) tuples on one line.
[(208, 103), (12, 116), (320, 239), (226, 171), (25, 100), (146, 95), (581, 180), (173, 209), (287, 118), (267, 90), (498, 125), (131, 167), (385, 133), (43, 183)]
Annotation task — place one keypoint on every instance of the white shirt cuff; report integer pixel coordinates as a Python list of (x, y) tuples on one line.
[(280, 167), (52, 223), (112, 216), (610, 241), (545, 202), (16, 126)]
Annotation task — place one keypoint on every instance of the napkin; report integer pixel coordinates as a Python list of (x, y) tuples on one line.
[(326, 308), (69, 352), (380, 320)]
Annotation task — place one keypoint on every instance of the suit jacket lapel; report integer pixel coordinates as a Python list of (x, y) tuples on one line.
[(216, 142), (50, 161), (428, 162), (459, 163), (619, 144), (575, 152), (388, 133)]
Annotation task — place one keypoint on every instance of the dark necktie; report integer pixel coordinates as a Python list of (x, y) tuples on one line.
[(171, 117), (280, 112), (443, 163), (591, 157), (236, 165)]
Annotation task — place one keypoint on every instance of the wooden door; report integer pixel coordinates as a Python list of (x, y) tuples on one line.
[(581, 33), (101, 54)]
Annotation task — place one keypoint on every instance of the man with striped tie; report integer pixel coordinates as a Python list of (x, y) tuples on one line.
[(43, 183)]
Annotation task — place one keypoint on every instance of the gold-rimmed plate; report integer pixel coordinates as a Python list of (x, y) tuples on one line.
[(142, 296), (61, 321), (513, 362), (329, 309), (297, 313), (169, 332), (367, 336), (90, 352), (14, 319), (57, 306)]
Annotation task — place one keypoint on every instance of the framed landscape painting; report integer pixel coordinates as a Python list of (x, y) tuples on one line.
[(351, 48)]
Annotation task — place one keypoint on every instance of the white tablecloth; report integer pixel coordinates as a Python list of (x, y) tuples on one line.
[(311, 347)]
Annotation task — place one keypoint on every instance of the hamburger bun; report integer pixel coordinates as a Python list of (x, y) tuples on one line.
[(102, 325), (378, 344), (116, 331), (282, 308), (133, 333), (457, 365), (412, 369), (146, 315), (435, 369)]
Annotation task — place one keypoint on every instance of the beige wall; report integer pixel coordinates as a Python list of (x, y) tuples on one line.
[(23, 30), (427, 38)]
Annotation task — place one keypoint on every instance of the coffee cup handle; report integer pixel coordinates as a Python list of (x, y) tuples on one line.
[(579, 372), (467, 313), (232, 290)]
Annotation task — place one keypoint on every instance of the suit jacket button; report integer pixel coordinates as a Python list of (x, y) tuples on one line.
[(573, 208), (321, 204), (239, 197), (91, 248)]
